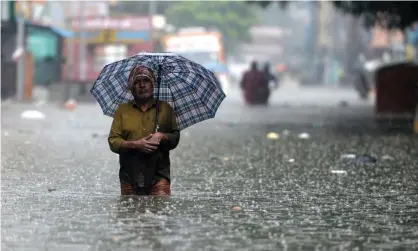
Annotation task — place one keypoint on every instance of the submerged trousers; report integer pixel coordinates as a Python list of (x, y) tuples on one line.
[(161, 187)]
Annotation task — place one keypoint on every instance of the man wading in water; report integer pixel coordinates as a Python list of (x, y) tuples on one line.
[(143, 153)]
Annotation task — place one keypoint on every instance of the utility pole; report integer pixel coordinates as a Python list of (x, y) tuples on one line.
[(82, 48), (20, 46), (152, 9), (70, 52)]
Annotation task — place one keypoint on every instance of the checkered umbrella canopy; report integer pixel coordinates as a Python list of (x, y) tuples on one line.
[(192, 90)]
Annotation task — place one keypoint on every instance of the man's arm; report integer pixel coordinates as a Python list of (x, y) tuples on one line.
[(172, 138), (115, 138), (116, 141)]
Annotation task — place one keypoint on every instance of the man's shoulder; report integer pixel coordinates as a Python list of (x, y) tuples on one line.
[(124, 106)]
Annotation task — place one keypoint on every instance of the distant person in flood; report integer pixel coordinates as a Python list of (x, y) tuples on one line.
[(143, 153), (266, 86), (252, 84)]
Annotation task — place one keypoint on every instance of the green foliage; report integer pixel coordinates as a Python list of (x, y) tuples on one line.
[(394, 14), (264, 4), (232, 18)]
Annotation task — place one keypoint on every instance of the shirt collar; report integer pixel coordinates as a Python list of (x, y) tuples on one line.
[(152, 101)]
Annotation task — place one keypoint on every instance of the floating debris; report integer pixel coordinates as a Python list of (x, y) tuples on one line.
[(32, 114), (52, 189), (366, 159), (291, 160), (236, 208), (339, 171), (387, 157), (272, 135), (116, 238), (304, 135), (359, 158), (348, 156), (70, 104)]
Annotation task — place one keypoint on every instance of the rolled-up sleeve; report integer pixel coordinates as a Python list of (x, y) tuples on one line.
[(115, 138)]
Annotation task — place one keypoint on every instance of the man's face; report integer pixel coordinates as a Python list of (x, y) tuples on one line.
[(143, 88)]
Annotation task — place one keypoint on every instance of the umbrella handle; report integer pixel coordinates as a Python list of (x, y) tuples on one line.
[(157, 106)]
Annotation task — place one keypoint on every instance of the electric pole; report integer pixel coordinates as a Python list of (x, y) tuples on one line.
[(20, 47), (152, 9), (82, 48), (70, 52)]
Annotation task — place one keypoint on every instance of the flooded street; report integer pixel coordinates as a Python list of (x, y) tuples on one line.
[(60, 187)]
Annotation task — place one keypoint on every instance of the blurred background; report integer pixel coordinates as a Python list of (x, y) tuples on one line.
[(329, 164), (311, 43)]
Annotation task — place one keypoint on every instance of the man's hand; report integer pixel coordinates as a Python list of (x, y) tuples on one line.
[(157, 137), (146, 145)]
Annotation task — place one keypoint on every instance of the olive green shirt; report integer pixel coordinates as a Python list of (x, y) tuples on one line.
[(131, 123)]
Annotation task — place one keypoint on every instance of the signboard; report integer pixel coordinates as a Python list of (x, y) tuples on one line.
[(192, 43), (90, 9), (123, 23)]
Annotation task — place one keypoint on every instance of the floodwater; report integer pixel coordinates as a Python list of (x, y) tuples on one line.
[(60, 187)]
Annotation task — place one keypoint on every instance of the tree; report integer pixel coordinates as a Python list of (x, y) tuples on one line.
[(393, 14), (232, 18)]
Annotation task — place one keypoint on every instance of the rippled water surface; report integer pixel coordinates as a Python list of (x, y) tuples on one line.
[(60, 189)]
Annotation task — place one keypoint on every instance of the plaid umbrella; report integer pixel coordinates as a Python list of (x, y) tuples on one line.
[(192, 90)]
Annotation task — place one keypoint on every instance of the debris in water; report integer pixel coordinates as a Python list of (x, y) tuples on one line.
[(339, 171), (366, 159), (52, 189), (70, 104), (291, 160), (236, 208), (387, 157), (272, 135), (116, 238), (95, 135), (304, 135), (32, 114), (359, 158), (348, 156)]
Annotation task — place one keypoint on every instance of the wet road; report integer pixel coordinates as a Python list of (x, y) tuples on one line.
[(60, 186)]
